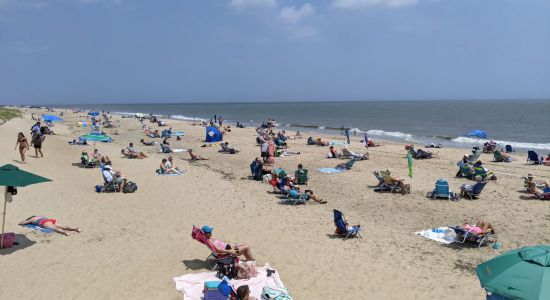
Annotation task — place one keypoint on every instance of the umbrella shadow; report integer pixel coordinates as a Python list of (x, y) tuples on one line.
[(22, 243), (195, 264)]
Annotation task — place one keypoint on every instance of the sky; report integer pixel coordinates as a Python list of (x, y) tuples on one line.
[(128, 51)]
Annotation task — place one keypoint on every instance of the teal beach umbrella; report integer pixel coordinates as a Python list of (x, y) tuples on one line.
[(518, 274)]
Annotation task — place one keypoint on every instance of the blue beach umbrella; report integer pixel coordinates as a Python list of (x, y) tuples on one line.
[(477, 134), (93, 113), (51, 118)]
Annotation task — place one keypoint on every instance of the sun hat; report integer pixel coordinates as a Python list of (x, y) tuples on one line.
[(530, 175), (207, 229), (108, 167)]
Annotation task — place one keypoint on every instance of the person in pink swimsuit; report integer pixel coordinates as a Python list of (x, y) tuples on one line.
[(223, 247), (49, 224)]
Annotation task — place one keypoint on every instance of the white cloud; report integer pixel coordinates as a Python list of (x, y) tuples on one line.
[(253, 3), (354, 4), (294, 15)]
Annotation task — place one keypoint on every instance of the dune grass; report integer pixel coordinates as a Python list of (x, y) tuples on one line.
[(7, 114)]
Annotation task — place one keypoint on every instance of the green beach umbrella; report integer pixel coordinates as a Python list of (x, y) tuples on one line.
[(518, 274), (11, 177)]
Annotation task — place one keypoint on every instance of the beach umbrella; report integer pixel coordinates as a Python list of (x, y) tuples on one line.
[(477, 134), (12, 177), (518, 274), (51, 118), (95, 138), (93, 113)]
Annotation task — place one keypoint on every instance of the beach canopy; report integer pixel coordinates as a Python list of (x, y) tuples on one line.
[(95, 138), (213, 134), (518, 274), (93, 113), (12, 176), (51, 118), (477, 134)]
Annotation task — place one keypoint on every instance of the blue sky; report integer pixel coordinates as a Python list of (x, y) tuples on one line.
[(111, 51)]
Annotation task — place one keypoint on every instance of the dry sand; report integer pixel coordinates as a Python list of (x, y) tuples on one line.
[(132, 245)]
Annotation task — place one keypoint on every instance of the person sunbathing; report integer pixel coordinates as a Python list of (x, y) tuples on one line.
[(481, 227), (320, 142), (194, 156), (308, 194), (114, 176), (388, 179), (48, 223), (132, 151), (166, 168), (227, 248), (533, 188), (227, 149), (170, 164), (104, 159), (148, 143)]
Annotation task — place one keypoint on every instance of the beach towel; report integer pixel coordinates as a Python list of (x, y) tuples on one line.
[(171, 174), (191, 285), (177, 133), (175, 150), (38, 228), (330, 170), (441, 234), (337, 143)]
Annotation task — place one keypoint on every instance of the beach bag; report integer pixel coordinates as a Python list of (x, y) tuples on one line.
[(246, 270), (227, 267), (130, 187), (275, 293), (98, 188)]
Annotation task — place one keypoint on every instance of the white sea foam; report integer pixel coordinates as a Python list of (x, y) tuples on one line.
[(537, 146), (395, 134), (186, 118)]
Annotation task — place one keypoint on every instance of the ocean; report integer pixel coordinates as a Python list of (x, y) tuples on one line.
[(524, 124)]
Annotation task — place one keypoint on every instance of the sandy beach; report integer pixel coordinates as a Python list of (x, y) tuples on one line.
[(132, 245)]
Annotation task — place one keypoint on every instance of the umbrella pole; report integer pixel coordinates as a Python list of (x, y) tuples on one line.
[(4, 218)]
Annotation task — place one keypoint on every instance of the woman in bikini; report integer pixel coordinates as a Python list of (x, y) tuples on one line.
[(23, 145), (49, 224), (223, 247)]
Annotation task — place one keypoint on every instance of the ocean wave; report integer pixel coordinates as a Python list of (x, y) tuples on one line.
[(469, 140), (396, 134)]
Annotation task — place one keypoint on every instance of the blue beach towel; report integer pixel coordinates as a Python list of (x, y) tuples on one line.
[(330, 170), (171, 174), (36, 227)]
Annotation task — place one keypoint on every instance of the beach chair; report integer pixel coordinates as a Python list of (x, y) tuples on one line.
[(498, 156), (466, 171), (86, 162), (215, 257), (464, 236), (441, 191), (385, 187), (301, 176), (475, 191), (534, 158), (346, 154), (342, 228), (108, 187)]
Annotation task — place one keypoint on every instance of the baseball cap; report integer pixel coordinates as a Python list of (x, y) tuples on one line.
[(207, 229)]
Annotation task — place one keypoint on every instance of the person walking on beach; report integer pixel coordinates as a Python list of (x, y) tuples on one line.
[(37, 140), (23, 145)]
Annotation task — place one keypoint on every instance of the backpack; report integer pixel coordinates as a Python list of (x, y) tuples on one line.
[(227, 267), (130, 187)]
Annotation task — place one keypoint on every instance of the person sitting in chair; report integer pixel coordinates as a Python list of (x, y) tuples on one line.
[(132, 151), (481, 227), (469, 187), (533, 188), (227, 248), (115, 177), (388, 179)]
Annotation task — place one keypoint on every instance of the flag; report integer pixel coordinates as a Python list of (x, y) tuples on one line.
[(410, 163)]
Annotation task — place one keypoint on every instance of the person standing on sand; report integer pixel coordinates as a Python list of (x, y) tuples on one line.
[(23, 145), (37, 140)]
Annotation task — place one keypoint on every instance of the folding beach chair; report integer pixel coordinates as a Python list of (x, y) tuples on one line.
[(301, 176), (464, 236), (108, 186), (342, 228), (383, 186), (86, 162), (346, 154), (476, 190), (214, 258), (534, 158), (441, 190)]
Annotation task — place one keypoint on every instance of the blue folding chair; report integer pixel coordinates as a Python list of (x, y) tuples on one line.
[(342, 228), (476, 190), (533, 157), (441, 190)]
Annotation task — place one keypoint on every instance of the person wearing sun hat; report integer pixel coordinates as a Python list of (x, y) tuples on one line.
[(533, 186), (227, 248)]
